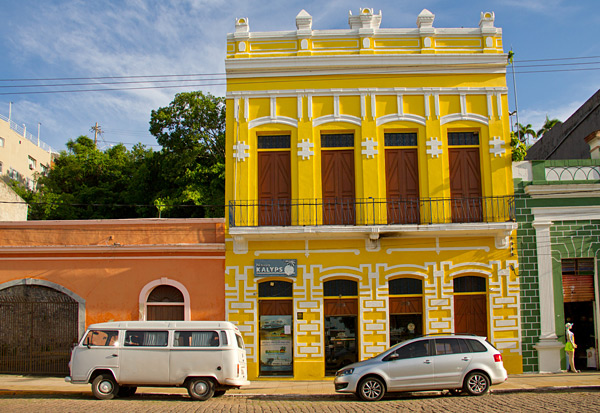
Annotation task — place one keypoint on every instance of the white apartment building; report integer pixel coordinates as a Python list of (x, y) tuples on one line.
[(22, 154)]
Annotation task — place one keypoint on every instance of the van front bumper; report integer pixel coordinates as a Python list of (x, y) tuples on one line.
[(236, 382)]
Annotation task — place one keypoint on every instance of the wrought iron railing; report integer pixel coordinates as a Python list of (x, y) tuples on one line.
[(370, 211)]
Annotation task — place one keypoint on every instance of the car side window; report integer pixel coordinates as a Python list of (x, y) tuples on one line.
[(103, 338), (196, 339), (146, 338), (412, 350), (476, 346), (447, 346)]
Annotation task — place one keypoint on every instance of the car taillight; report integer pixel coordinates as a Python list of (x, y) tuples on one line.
[(497, 358), (238, 370)]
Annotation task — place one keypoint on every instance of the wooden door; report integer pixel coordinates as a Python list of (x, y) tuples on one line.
[(470, 314), (337, 175), (274, 188), (465, 185), (402, 181)]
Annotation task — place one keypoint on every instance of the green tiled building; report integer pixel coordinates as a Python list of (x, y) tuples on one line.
[(558, 241)]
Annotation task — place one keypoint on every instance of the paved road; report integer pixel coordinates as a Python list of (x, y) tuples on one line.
[(575, 401)]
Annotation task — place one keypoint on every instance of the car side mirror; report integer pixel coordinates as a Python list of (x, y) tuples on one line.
[(87, 342)]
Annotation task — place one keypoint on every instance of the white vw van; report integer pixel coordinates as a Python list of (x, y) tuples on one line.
[(207, 357)]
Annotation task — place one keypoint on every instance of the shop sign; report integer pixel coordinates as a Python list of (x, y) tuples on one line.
[(275, 268)]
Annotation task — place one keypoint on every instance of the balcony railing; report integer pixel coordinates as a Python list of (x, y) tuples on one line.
[(370, 211)]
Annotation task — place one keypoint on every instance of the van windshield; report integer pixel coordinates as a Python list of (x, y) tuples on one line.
[(240, 341)]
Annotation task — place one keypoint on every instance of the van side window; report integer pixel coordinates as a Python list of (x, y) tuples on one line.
[(146, 338), (224, 338), (196, 339), (101, 338), (240, 342)]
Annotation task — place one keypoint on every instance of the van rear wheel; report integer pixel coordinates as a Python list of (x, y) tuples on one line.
[(105, 387), (201, 389)]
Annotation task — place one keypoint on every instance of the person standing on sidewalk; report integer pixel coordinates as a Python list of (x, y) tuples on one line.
[(570, 347)]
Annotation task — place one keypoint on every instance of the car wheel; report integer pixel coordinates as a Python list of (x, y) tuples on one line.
[(201, 389), (219, 393), (476, 383), (371, 389), (105, 387), (126, 391)]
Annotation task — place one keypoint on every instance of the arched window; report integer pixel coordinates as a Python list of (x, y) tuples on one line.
[(406, 309), (165, 302)]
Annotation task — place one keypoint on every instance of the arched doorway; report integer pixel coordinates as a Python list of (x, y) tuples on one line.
[(341, 321), (406, 309), (165, 302), (39, 325), (470, 305), (275, 328)]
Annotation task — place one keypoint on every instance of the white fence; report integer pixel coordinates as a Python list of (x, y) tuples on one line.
[(21, 131)]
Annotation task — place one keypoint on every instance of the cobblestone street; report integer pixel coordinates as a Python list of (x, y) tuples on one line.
[(524, 402)]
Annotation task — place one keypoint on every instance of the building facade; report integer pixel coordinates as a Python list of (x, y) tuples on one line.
[(57, 277), (22, 155), (558, 242), (370, 193)]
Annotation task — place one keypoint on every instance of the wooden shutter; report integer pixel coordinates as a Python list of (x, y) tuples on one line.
[(406, 305), (341, 306), (465, 184), (337, 176), (402, 182), (276, 307), (274, 188)]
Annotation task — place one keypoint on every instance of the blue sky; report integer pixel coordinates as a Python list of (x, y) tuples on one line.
[(58, 39)]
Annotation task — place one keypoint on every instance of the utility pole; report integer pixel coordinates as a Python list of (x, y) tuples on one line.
[(97, 130)]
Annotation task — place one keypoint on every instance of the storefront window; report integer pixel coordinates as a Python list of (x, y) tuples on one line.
[(276, 321)]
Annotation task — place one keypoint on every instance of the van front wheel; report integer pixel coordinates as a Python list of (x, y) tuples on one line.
[(105, 387), (201, 389)]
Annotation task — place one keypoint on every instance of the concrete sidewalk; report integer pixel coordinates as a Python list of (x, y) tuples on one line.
[(16, 385)]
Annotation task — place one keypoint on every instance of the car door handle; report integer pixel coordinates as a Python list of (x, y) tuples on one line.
[(465, 359), (114, 355), (427, 362)]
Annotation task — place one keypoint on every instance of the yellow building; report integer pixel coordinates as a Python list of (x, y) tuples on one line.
[(369, 190)]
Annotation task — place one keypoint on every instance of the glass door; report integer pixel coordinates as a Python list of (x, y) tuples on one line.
[(340, 342)]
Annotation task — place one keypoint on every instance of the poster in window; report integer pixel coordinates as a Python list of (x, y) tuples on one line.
[(276, 346)]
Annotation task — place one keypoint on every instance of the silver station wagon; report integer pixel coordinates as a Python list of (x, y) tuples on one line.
[(458, 363)]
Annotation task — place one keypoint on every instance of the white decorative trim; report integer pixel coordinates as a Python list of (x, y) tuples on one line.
[(468, 116), (273, 107), (304, 44), (434, 147), (336, 106), (436, 104), (427, 96), (246, 108), (236, 109), (399, 104), (299, 110), (304, 149), (489, 105), (145, 293), (370, 146), (401, 117), (463, 104), (240, 149), (265, 120), (499, 104), (310, 111), (341, 118), (497, 146), (373, 106), (363, 106)]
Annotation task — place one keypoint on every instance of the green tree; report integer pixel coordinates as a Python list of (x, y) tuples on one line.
[(524, 131), (87, 183), (519, 150), (548, 124), (191, 131)]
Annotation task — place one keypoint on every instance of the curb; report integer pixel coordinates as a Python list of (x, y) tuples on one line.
[(295, 395)]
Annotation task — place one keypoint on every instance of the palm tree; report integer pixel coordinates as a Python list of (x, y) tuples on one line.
[(548, 124), (524, 131)]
